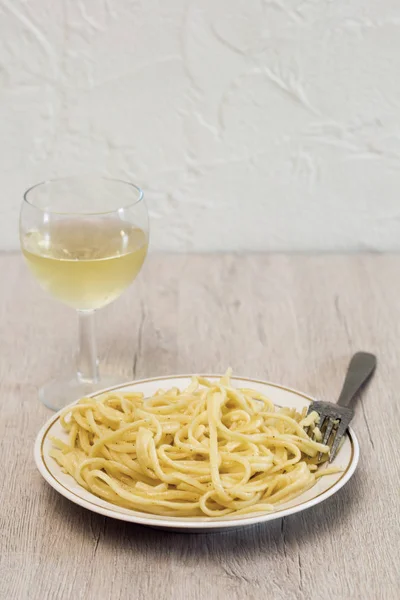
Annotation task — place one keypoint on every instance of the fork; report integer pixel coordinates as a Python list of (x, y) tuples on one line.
[(335, 418)]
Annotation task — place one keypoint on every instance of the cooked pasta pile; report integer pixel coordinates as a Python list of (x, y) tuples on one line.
[(209, 450)]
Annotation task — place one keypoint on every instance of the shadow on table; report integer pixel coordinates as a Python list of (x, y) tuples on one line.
[(306, 527)]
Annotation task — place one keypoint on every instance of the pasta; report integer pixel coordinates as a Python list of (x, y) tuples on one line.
[(208, 450)]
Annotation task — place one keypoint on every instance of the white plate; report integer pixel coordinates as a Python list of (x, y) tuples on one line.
[(346, 458)]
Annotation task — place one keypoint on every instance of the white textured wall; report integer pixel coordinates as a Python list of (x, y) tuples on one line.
[(251, 124)]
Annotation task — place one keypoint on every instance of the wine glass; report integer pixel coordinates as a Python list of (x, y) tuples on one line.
[(85, 239)]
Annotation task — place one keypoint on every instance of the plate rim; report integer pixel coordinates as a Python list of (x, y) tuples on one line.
[(195, 523)]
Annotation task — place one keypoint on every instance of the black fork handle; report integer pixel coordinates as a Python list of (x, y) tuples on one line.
[(361, 367)]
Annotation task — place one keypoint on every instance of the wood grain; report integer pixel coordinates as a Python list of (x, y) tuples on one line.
[(290, 319)]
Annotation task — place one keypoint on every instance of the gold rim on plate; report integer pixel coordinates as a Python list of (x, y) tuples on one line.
[(177, 521)]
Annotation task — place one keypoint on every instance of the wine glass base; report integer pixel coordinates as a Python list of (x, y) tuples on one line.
[(58, 393)]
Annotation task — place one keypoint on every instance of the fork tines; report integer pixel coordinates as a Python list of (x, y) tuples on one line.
[(333, 422)]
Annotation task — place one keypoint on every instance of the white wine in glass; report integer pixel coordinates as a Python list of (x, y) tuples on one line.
[(85, 240), (86, 263)]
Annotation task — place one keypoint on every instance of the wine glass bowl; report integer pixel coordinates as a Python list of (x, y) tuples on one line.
[(85, 239)]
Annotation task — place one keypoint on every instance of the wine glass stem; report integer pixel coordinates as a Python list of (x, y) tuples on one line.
[(87, 361)]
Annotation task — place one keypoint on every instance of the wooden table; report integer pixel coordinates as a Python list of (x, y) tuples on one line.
[(290, 319)]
